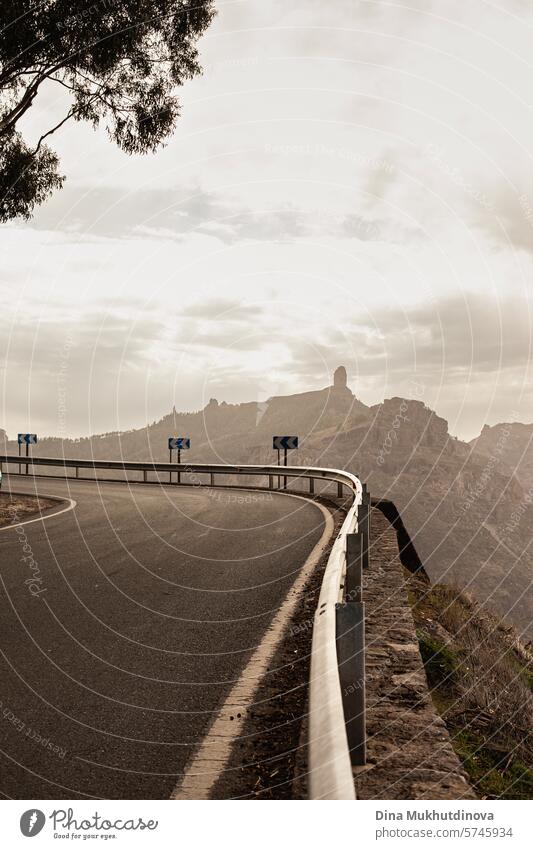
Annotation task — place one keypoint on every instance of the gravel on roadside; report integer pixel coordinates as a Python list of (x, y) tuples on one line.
[(15, 508)]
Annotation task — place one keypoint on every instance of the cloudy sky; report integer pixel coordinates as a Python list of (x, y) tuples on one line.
[(351, 182)]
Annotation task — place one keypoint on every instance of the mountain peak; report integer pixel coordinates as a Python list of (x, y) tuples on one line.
[(340, 378)]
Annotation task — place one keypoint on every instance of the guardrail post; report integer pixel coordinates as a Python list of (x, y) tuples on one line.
[(311, 486), (145, 476), (212, 479), (350, 640), (271, 482), (339, 490), (354, 567), (363, 523), (77, 472)]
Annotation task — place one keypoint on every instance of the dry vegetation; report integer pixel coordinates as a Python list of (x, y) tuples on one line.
[(481, 678), (15, 508)]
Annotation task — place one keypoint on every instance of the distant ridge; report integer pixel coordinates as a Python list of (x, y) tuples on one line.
[(457, 500)]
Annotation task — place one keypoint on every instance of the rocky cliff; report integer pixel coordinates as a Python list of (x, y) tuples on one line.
[(467, 507)]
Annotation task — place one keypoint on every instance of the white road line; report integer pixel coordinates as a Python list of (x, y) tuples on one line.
[(213, 755), (71, 505)]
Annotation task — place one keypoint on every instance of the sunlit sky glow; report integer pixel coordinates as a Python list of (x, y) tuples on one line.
[(350, 182)]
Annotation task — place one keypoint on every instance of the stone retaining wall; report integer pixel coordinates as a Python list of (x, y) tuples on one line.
[(409, 753)]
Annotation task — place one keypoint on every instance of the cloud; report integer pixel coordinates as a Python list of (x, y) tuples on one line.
[(510, 223), (114, 371), (77, 376), (470, 353), (163, 213), (225, 339), (226, 308), (119, 212), (379, 181), (465, 333)]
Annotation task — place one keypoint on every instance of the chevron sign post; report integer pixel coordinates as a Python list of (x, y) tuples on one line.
[(179, 444), (26, 439), (284, 443), (176, 443)]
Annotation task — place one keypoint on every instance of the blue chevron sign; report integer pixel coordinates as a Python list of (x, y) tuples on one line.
[(27, 439), (178, 443), (284, 442)]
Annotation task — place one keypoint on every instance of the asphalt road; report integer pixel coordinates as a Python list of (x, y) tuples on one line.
[(151, 600)]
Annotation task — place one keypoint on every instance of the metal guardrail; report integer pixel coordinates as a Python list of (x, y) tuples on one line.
[(337, 686), (172, 469)]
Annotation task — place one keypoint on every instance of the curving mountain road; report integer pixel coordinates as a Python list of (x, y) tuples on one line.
[(151, 600)]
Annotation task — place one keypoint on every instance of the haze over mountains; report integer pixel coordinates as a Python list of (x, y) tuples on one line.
[(468, 507)]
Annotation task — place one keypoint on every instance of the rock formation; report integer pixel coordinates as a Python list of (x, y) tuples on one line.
[(340, 378)]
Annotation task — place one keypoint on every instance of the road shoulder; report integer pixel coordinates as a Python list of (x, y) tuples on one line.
[(213, 763), (17, 507)]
